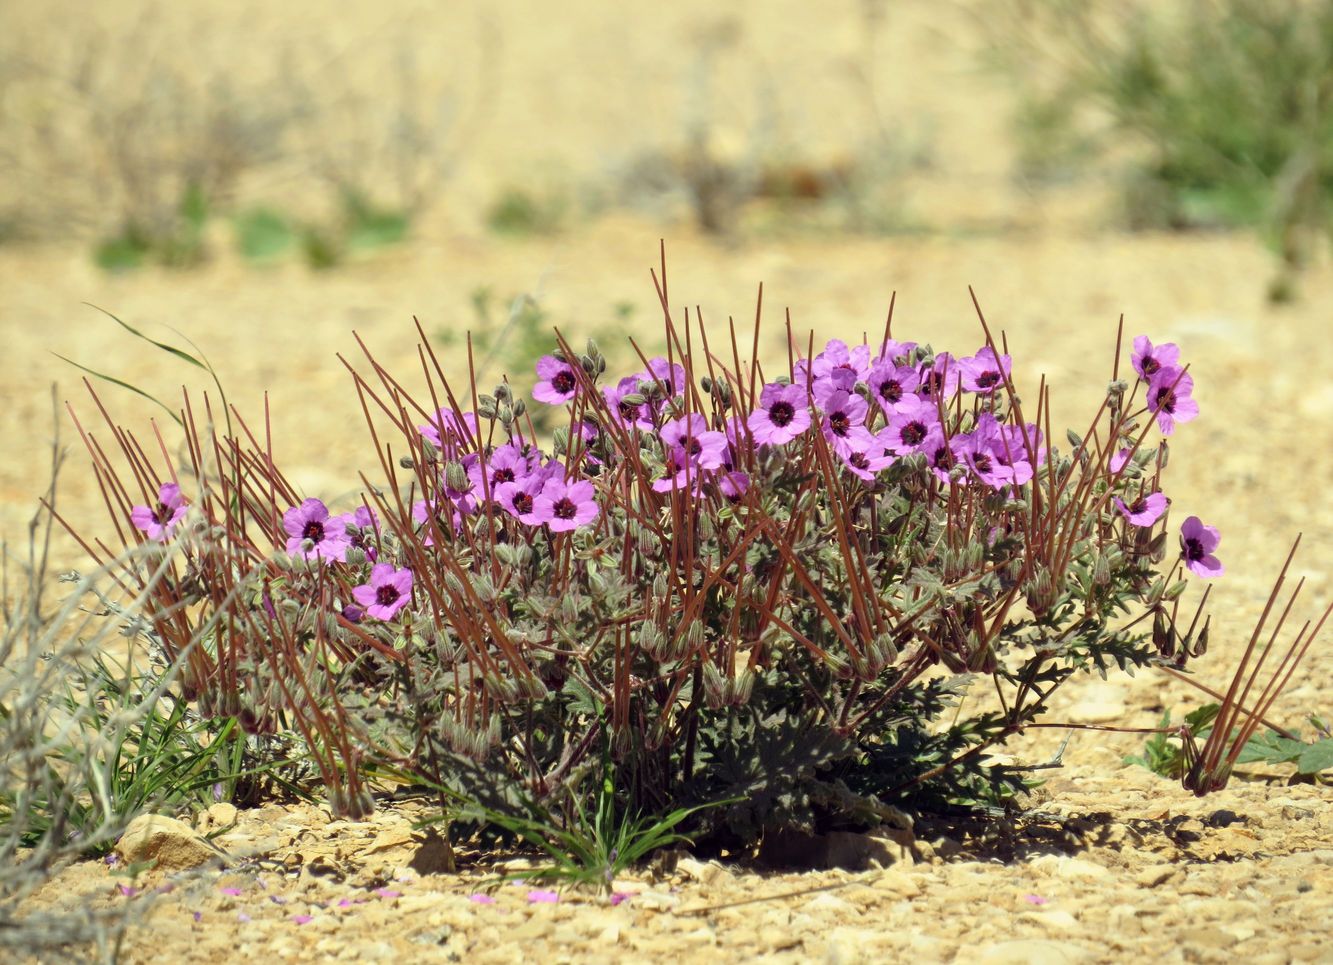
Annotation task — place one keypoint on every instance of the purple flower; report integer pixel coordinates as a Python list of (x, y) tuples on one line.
[(388, 591), (447, 431), (733, 486), (691, 449), (1009, 449), (910, 423), (1197, 543), (705, 447), (783, 414), (1148, 361), (480, 899), (898, 353), (312, 533), (843, 413), (564, 506), (356, 524), (939, 454), (866, 456), (839, 363), (542, 897), (671, 375), (158, 522), (939, 379), (984, 372), (559, 381), (519, 498), (891, 383), (507, 463), (977, 451), (620, 897), (1117, 460), (1145, 510), (1169, 398), (627, 414), (353, 613)]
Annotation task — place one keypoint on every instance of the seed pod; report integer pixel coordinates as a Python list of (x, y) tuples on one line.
[(1175, 590), (715, 686), (1101, 570), (505, 414), (633, 398), (520, 407), (742, 686), (406, 462), (1040, 591), (502, 393)]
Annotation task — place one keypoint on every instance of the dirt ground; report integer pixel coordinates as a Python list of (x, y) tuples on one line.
[(1116, 864)]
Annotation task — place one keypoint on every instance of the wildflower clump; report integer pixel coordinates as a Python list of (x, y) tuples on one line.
[(765, 584)]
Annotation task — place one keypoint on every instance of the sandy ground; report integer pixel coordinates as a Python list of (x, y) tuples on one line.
[(1123, 864)]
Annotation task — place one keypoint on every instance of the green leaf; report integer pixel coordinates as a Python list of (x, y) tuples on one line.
[(1317, 757), (125, 385), (1270, 748)]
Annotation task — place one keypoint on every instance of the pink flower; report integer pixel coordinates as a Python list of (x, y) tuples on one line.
[(543, 897), (844, 412), (627, 414), (940, 378), (1197, 543), (519, 498), (480, 899), (910, 423), (559, 382), (840, 363), (782, 415), (705, 448), (160, 521), (890, 383), (734, 485), (313, 534), (1148, 361), (984, 372), (866, 456), (1145, 510), (564, 506), (1169, 398), (388, 591), (1117, 460), (449, 432)]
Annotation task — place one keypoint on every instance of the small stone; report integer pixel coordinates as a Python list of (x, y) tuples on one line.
[(222, 815), (829, 904), (1152, 877), (1032, 952), (170, 844), (704, 872)]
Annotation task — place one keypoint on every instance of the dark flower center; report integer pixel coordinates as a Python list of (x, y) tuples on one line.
[(1150, 366), (839, 423), (314, 531), (1138, 506), (1166, 399), (694, 447), (987, 379), (859, 460), (890, 390), (386, 595), (522, 503), (502, 476), (781, 414), (1194, 550), (563, 381), (564, 508), (161, 514), (983, 463), (629, 412), (913, 433)]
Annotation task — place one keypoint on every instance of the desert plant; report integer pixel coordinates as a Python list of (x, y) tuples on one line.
[(776, 588)]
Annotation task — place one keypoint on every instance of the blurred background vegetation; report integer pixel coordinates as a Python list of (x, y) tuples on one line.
[(175, 135)]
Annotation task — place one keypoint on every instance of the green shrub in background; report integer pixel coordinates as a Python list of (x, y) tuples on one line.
[(1224, 109)]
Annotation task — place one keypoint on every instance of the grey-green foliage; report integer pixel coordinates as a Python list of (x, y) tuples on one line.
[(1226, 107)]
